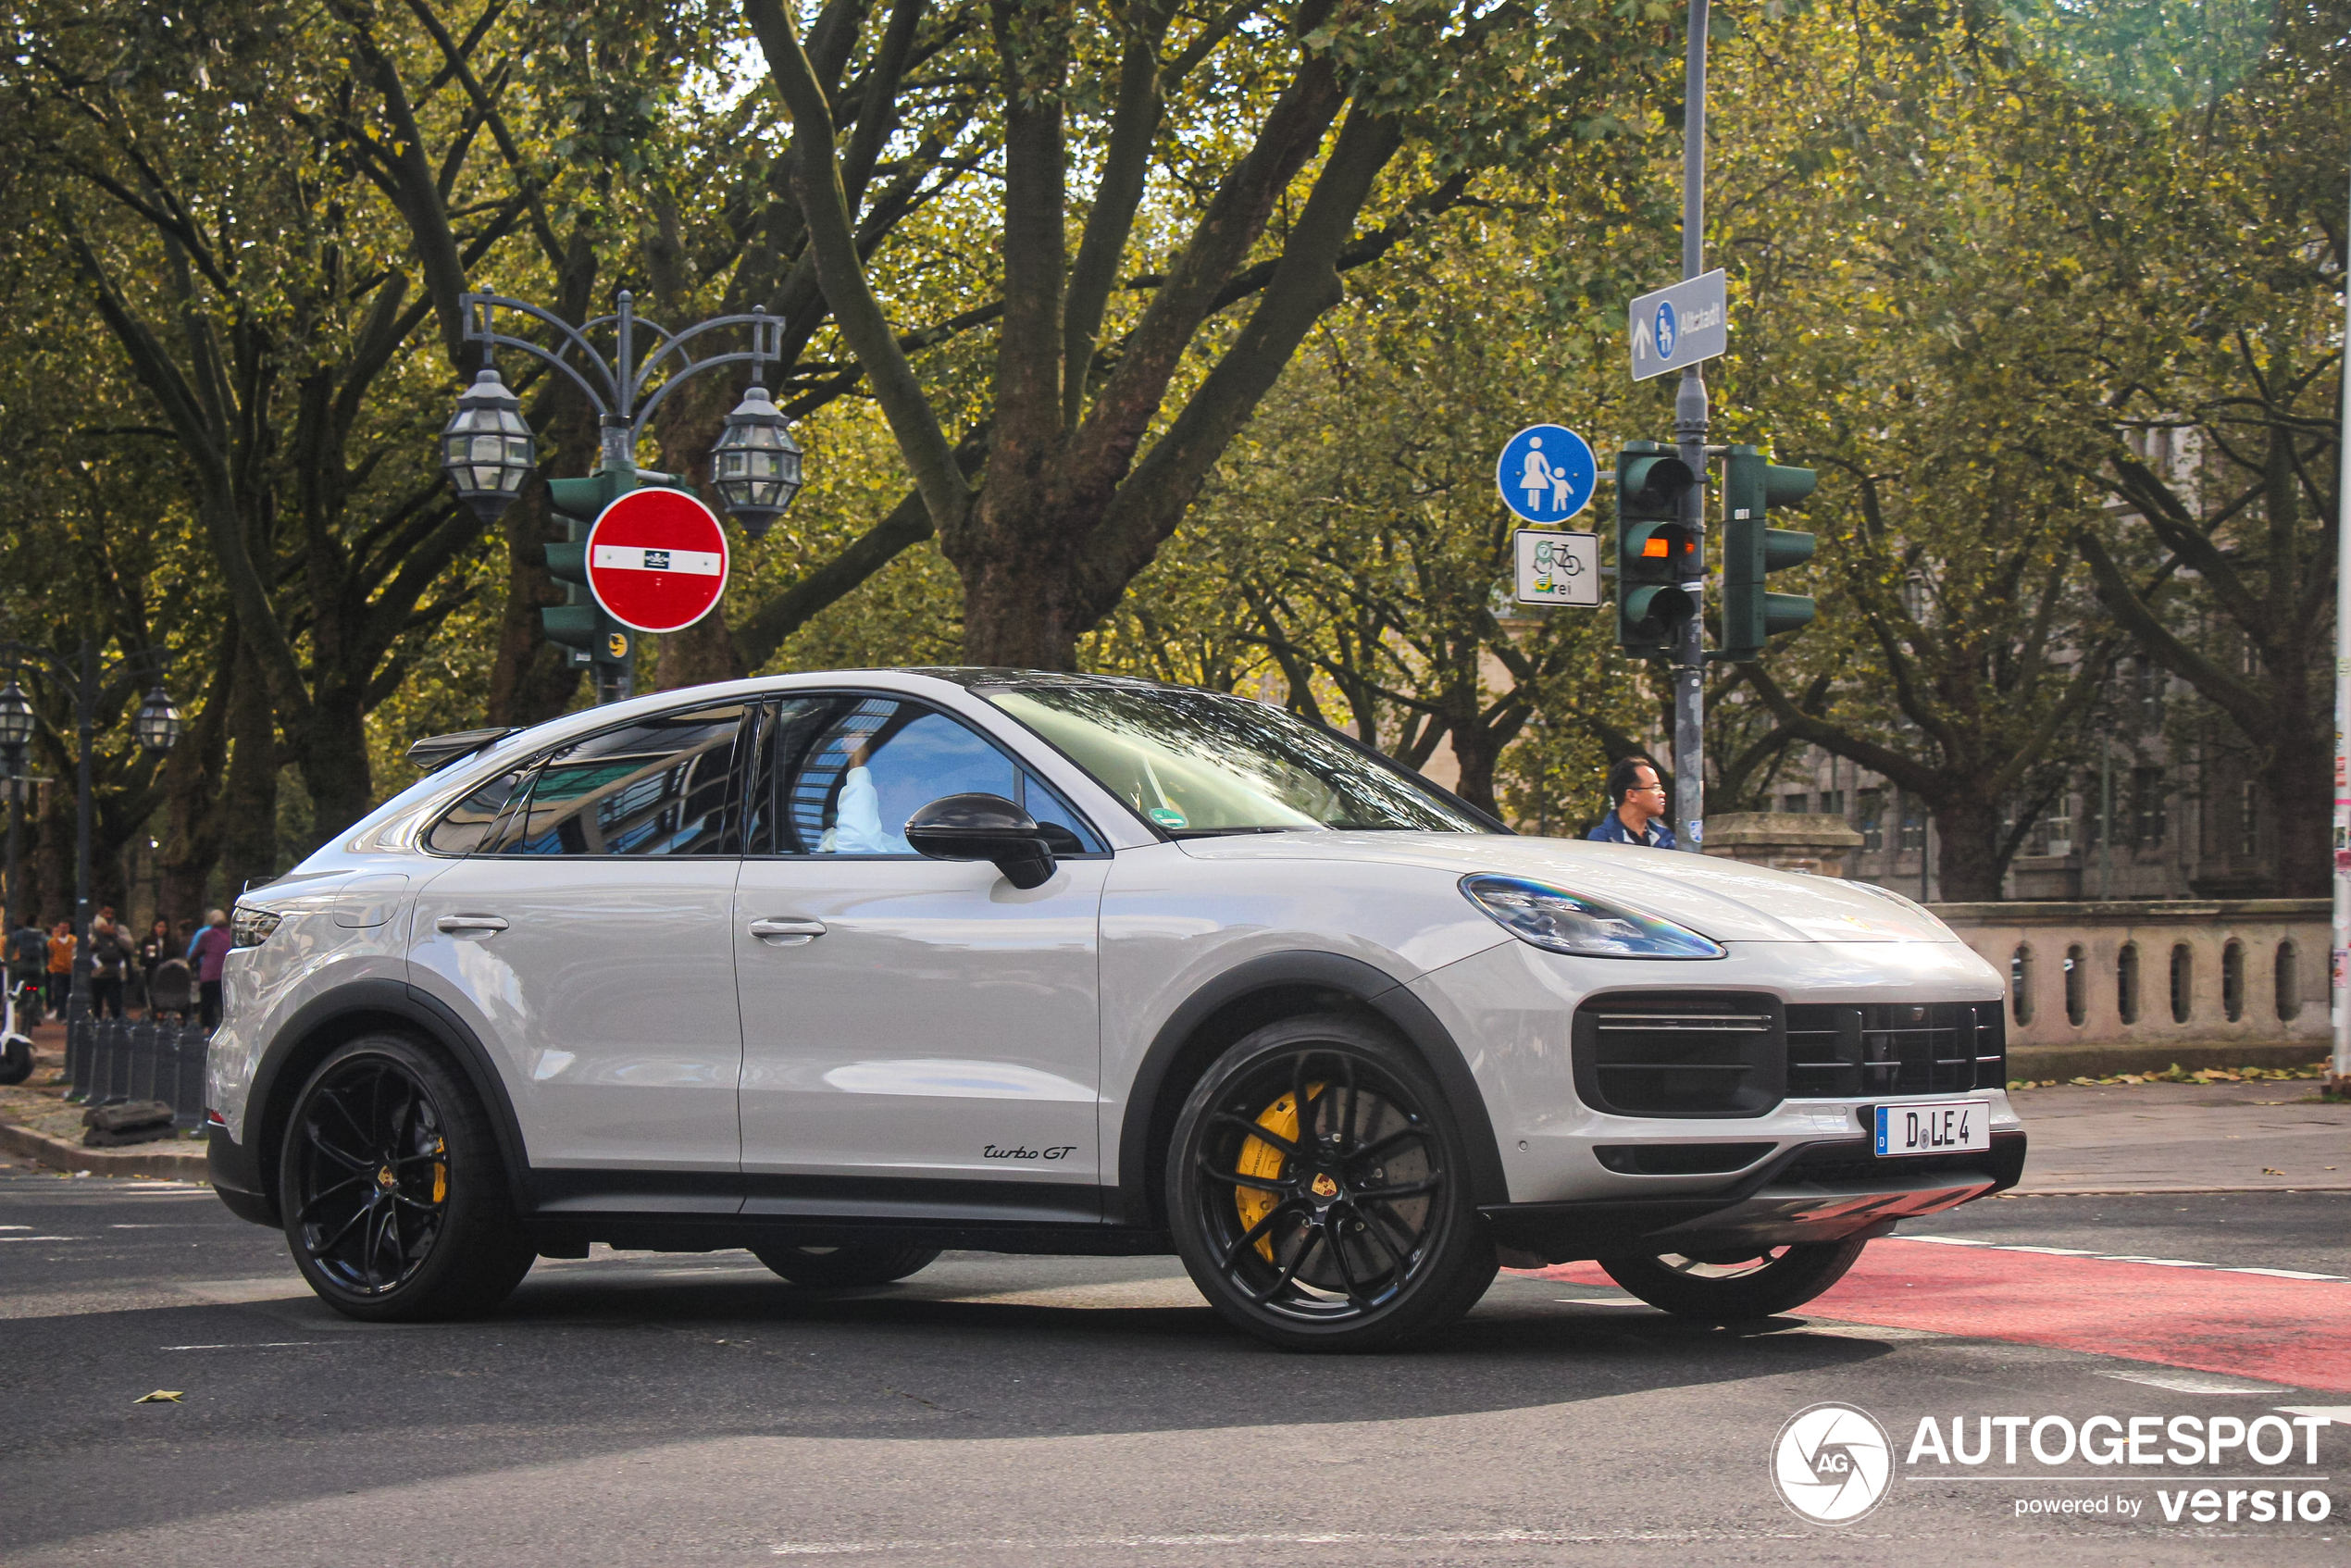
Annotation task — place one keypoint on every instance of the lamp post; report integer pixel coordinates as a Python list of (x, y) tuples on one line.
[(156, 728), (487, 450), (17, 722)]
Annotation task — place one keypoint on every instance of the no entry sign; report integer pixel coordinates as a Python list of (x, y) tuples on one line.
[(657, 560)]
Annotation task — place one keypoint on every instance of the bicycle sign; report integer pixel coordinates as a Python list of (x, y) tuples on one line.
[(1556, 568)]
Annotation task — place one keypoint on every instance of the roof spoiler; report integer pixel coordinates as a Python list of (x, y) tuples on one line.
[(435, 752)]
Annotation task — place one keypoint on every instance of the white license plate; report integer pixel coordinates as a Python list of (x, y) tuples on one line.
[(1934, 1127)]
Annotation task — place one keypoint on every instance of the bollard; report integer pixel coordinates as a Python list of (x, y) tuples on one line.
[(78, 1063), (111, 1048), (148, 1079), (188, 1053)]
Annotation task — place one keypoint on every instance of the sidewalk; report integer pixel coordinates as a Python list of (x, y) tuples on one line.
[(2272, 1137)]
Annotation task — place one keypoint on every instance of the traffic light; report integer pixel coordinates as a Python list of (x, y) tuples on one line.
[(580, 623), (1751, 487), (1656, 549)]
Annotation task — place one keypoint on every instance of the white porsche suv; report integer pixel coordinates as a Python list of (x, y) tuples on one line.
[(848, 969)]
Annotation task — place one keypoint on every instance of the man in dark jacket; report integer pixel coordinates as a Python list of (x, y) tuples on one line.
[(1636, 808)]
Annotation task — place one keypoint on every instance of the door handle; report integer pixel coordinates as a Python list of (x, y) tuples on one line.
[(787, 933), (467, 925)]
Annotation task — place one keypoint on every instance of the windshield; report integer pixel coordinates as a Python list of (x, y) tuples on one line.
[(1195, 761)]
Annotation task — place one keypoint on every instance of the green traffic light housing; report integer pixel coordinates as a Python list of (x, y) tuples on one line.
[(1657, 551), (580, 623), (1752, 549)]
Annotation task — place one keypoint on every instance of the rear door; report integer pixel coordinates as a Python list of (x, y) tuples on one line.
[(584, 935), (905, 1016)]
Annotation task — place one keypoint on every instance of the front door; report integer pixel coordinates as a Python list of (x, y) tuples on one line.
[(905, 1016), (584, 936)]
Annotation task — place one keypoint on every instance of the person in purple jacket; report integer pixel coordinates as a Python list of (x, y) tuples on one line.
[(206, 953)]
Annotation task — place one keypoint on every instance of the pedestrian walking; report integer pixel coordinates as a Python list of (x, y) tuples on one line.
[(1636, 808), (61, 945), (152, 950), (109, 964), (207, 953)]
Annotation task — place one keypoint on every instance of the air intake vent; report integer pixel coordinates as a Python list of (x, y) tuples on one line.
[(1680, 1054), (1896, 1048)]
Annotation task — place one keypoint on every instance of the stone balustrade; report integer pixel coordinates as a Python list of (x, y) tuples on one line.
[(2225, 982)]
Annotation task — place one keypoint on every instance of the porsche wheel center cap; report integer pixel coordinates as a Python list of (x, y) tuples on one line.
[(1323, 1186)]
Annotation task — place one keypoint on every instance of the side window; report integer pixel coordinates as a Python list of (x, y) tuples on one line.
[(841, 775), (469, 825), (659, 786)]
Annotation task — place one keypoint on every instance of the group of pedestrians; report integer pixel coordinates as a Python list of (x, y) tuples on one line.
[(172, 968)]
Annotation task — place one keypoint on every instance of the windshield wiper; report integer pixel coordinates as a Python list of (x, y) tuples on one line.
[(1222, 832)]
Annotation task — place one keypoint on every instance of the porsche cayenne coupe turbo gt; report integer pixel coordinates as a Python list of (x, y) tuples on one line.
[(848, 969)]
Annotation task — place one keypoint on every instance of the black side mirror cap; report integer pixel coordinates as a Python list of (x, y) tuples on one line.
[(982, 827)]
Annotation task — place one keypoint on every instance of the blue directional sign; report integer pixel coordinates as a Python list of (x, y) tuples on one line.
[(1679, 325), (1545, 473)]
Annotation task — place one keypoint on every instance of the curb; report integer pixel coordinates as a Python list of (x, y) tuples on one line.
[(155, 1163)]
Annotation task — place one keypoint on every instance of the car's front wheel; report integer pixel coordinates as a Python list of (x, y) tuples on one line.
[(1316, 1191), (838, 1267), (394, 1197), (1736, 1284)]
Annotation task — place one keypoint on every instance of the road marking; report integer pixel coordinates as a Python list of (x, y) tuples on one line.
[(2192, 1383), (2333, 1413), (2122, 1258), (263, 1345), (1303, 1537), (41, 1238)]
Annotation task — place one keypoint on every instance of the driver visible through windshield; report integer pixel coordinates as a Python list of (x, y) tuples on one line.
[(1199, 763)]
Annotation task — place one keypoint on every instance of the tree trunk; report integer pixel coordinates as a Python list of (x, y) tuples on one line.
[(191, 789), (1967, 853), (704, 651), (334, 765), (248, 812), (1018, 610), (2291, 776)]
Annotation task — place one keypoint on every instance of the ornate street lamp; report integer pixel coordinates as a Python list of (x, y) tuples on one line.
[(485, 448), (16, 718), (157, 726), (756, 464)]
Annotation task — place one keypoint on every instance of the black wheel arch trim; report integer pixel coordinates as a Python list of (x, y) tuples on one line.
[(270, 1102), (1358, 981)]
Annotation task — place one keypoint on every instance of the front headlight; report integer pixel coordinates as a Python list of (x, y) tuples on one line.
[(251, 927), (1589, 928)]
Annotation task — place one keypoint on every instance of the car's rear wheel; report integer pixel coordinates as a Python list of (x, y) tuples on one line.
[(838, 1267), (396, 1200), (1736, 1284), (1316, 1191)]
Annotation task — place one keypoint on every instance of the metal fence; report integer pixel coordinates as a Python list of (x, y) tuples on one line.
[(112, 1060)]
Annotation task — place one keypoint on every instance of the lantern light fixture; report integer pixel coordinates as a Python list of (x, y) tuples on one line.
[(157, 726), (485, 448), (756, 464)]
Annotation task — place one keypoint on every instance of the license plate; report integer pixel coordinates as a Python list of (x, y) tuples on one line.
[(1934, 1127)]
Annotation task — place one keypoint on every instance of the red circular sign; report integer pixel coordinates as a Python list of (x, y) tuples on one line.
[(657, 560)]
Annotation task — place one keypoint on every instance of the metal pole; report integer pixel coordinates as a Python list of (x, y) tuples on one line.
[(2339, 1065), (1689, 441), (2106, 821), (77, 999)]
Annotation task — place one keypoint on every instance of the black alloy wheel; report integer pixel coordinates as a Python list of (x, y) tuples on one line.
[(1736, 1284), (1316, 1191), (840, 1267), (395, 1199)]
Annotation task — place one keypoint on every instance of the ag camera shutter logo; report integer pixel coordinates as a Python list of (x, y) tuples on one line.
[(1832, 1462)]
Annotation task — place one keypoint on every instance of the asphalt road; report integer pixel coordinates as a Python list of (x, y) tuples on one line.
[(694, 1410)]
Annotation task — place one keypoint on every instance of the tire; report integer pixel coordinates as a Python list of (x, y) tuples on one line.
[(16, 1059), (1359, 1236), (394, 1195), (1726, 1288), (838, 1267)]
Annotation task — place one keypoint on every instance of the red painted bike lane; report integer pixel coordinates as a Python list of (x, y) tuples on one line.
[(2291, 1331)]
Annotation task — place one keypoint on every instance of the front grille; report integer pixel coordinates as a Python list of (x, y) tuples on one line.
[(1680, 1054), (1896, 1048)]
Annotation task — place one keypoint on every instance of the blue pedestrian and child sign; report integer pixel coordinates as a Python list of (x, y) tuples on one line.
[(1547, 473)]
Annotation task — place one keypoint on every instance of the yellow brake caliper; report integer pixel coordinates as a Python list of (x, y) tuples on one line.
[(439, 1171), (1263, 1161)]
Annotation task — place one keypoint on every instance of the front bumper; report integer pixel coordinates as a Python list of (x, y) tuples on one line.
[(1814, 1192)]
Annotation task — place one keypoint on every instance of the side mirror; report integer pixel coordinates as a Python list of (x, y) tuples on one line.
[(984, 828)]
